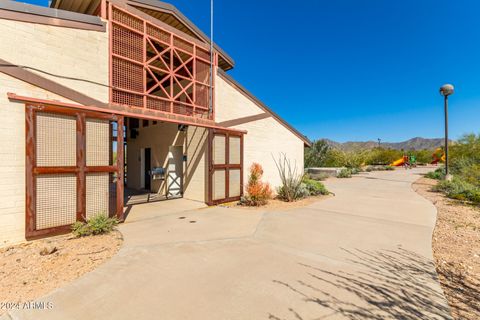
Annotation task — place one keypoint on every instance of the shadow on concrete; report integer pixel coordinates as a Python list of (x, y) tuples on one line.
[(463, 291), (391, 180), (389, 284)]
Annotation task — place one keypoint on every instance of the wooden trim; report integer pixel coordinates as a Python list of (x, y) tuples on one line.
[(226, 167), (210, 167), (81, 164), (118, 110), (120, 168), (30, 183), (74, 112), (241, 166), (93, 169), (37, 19), (54, 170), (243, 120), (41, 82), (74, 170), (42, 233)]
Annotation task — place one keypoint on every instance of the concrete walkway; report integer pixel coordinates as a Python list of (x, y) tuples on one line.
[(363, 254)]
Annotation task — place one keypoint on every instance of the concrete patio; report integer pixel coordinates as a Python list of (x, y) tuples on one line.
[(363, 254)]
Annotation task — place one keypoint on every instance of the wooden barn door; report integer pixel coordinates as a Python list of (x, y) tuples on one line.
[(226, 166), (74, 168)]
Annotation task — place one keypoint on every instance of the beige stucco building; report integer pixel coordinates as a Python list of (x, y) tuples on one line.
[(102, 101)]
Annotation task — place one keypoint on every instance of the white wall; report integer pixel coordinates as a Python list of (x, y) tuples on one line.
[(68, 52), (62, 51), (159, 138), (266, 138), (12, 157)]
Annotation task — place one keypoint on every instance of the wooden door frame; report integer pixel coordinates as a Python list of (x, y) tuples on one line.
[(227, 166), (80, 169)]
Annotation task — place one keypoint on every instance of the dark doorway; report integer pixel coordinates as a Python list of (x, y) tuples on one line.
[(148, 168)]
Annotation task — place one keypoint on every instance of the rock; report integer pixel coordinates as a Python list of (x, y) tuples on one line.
[(48, 250)]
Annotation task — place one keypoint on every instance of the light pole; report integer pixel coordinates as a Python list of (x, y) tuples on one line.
[(445, 91)]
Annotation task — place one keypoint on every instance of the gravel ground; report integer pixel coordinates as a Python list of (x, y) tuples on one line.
[(456, 249), (32, 269)]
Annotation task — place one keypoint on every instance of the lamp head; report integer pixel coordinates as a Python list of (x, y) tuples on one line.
[(446, 90)]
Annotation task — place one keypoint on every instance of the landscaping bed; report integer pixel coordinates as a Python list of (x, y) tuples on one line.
[(33, 269), (278, 204), (456, 250)]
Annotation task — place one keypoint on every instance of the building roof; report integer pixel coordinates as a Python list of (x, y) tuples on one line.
[(162, 11), (264, 107), (13, 10)]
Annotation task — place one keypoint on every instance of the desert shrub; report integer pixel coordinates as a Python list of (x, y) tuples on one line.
[(257, 192), (292, 187), (315, 188), (316, 155), (344, 173), (99, 224), (459, 189), (319, 176), (423, 156), (355, 170), (438, 174), (382, 156), (389, 168), (334, 158)]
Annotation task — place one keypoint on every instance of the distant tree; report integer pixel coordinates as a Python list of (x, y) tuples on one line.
[(316, 155)]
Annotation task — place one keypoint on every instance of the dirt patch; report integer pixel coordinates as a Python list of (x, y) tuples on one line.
[(31, 270), (277, 204), (456, 249)]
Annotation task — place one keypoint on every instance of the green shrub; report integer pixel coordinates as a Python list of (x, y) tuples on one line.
[(438, 174), (317, 154), (315, 188), (388, 168), (99, 224), (382, 156), (292, 187), (344, 173), (355, 170), (459, 189)]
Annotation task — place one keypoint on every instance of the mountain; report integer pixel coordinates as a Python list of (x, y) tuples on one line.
[(416, 143)]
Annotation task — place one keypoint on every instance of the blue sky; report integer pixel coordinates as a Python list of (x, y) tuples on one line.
[(351, 69)]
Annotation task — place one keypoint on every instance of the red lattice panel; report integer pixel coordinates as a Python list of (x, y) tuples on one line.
[(127, 44), (182, 109), (202, 71), (158, 104), (182, 44), (158, 34), (203, 54), (155, 69), (201, 97), (127, 19), (134, 81), (127, 98)]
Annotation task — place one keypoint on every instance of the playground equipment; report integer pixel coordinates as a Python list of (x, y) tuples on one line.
[(398, 163), (411, 161), (438, 156)]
